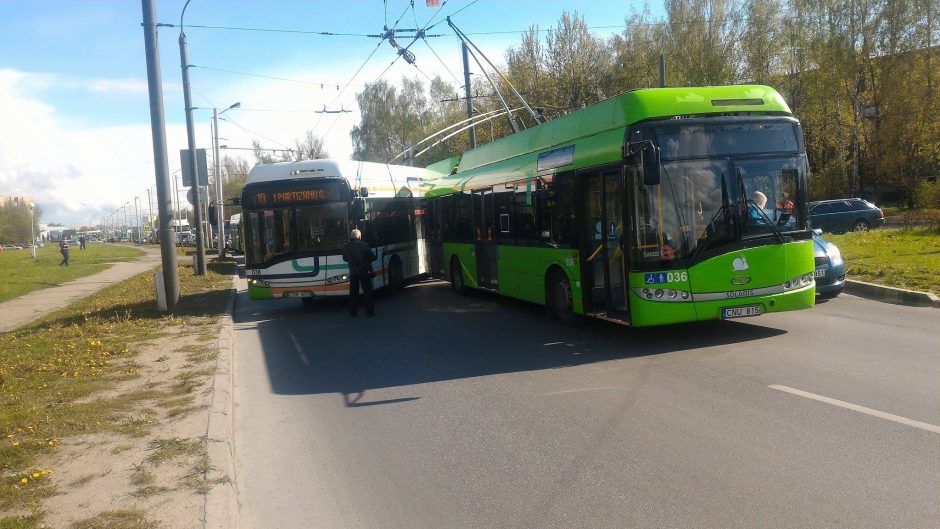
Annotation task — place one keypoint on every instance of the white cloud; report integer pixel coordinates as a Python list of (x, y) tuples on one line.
[(75, 175)]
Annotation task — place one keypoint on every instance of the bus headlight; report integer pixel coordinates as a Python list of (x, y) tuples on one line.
[(342, 278)]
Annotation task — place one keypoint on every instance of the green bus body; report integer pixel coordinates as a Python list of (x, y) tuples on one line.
[(723, 235)]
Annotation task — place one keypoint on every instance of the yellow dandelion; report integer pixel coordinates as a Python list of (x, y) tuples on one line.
[(35, 475), (24, 481), (16, 443), (9, 436)]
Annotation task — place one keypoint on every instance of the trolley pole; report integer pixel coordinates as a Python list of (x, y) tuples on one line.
[(466, 86), (171, 282)]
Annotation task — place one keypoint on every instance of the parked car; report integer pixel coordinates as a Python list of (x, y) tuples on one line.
[(12, 247), (830, 268), (848, 214)]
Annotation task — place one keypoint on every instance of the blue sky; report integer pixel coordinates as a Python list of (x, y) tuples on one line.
[(73, 80)]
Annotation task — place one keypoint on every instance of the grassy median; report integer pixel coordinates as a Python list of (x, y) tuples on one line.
[(21, 273), (52, 370), (898, 258)]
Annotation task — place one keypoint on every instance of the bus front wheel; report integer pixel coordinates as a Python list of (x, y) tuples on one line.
[(456, 277), (560, 301)]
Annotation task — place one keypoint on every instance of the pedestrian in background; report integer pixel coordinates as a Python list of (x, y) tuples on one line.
[(359, 257), (81, 242), (64, 250)]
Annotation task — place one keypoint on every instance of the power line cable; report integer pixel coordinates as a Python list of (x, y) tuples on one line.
[(249, 131), (235, 72)]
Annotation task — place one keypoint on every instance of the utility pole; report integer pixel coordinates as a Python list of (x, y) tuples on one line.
[(466, 86), (137, 219), (171, 284), (191, 138), (150, 214), (662, 70)]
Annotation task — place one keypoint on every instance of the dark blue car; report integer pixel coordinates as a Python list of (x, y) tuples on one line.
[(830, 268), (847, 214)]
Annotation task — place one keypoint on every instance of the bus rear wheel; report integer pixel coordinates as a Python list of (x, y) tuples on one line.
[(456, 277), (560, 301)]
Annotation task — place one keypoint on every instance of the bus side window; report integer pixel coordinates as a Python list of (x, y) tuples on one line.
[(562, 202)]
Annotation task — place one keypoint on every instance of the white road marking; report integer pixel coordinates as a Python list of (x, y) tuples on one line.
[(860, 409), (300, 350), (562, 392)]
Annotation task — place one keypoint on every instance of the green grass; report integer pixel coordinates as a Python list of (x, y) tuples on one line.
[(24, 274), (898, 258), (122, 519), (51, 369)]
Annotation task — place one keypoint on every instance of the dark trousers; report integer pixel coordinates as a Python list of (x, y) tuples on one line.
[(366, 282), (65, 258)]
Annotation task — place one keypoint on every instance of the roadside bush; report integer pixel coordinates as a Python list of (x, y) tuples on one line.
[(927, 194), (921, 219)]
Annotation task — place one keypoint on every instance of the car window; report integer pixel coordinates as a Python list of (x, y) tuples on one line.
[(821, 209), (840, 206), (858, 204)]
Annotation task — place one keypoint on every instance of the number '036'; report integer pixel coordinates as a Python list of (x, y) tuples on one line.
[(673, 277)]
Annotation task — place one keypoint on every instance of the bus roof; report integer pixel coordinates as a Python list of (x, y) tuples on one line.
[(517, 153), (381, 179)]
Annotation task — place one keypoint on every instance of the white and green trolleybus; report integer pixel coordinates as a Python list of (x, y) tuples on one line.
[(297, 216), (653, 207)]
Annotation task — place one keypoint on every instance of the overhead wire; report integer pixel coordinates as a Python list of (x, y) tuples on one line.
[(249, 131), (235, 72), (388, 32)]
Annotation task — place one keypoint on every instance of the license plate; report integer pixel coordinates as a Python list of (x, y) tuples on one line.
[(299, 294), (728, 313), (819, 273)]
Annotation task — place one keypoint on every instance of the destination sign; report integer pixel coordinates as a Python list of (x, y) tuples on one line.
[(296, 194)]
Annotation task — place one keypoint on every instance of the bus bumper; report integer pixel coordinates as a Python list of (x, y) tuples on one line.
[(647, 313)]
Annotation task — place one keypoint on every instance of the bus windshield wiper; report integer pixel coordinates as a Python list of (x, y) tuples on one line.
[(766, 219), (710, 229)]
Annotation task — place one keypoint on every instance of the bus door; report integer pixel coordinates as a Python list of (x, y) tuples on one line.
[(484, 229), (604, 253), (434, 235)]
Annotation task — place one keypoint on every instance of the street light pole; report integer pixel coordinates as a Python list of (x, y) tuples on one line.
[(219, 212), (137, 220), (191, 139)]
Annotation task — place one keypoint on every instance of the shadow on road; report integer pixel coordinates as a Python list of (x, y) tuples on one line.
[(425, 333)]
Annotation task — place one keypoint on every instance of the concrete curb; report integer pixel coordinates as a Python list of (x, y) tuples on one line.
[(221, 506), (898, 296)]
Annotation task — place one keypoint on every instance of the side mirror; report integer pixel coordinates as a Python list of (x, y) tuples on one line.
[(651, 165), (818, 231), (364, 192), (358, 209)]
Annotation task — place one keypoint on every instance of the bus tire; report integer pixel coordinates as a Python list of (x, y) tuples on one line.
[(456, 277), (396, 279), (559, 300)]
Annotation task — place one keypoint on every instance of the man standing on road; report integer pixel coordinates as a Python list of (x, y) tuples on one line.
[(359, 257), (64, 249)]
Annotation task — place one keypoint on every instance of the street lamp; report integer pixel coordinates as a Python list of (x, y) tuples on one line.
[(219, 213)]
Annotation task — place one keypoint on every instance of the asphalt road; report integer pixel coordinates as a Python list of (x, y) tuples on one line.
[(476, 411)]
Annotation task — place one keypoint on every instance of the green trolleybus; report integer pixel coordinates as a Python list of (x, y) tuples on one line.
[(653, 207), (296, 219)]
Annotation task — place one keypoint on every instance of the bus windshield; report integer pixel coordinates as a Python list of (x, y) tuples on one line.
[(315, 229), (711, 195)]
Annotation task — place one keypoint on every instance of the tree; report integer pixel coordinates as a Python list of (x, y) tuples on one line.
[(310, 148)]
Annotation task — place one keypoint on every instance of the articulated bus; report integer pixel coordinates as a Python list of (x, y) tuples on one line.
[(653, 207), (297, 216)]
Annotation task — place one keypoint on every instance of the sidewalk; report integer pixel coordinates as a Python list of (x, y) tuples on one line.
[(28, 307)]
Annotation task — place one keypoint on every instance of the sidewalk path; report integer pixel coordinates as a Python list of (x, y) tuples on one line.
[(28, 307)]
